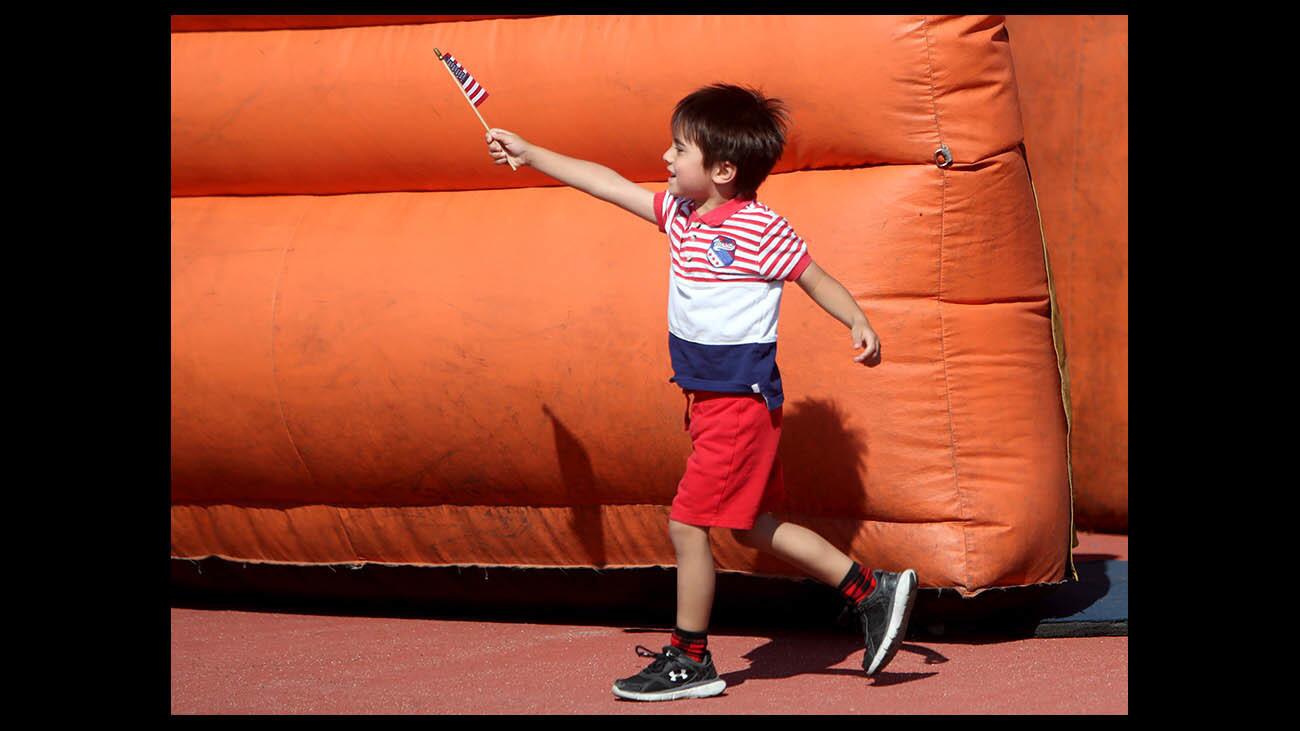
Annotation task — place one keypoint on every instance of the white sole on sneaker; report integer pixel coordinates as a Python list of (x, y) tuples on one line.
[(698, 691), (898, 616)]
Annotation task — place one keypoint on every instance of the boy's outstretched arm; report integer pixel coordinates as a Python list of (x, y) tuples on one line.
[(831, 296), (589, 177)]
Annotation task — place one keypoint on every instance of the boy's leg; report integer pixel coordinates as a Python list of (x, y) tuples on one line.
[(685, 669), (695, 575), (883, 600), (798, 546)]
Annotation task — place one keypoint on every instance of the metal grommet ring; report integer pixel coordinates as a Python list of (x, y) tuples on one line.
[(943, 156)]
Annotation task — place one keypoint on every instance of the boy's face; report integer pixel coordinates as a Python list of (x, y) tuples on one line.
[(687, 176)]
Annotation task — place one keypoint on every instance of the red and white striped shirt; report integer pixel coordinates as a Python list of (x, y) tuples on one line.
[(739, 241)]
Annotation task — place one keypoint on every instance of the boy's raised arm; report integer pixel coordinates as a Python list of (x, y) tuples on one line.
[(589, 177)]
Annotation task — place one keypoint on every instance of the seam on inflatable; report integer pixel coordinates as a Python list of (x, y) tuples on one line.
[(929, 59), (396, 24), (1074, 197), (795, 576), (1062, 367), (284, 507), (275, 371), (943, 340)]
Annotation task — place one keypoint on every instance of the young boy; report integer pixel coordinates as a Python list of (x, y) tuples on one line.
[(730, 255)]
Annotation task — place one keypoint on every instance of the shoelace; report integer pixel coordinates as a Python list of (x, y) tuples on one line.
[(660, 658)]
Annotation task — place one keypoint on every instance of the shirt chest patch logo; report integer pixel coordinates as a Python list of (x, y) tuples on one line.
[(721, 251)]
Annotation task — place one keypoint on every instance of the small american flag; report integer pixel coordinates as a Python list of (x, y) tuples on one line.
[(472, 89)]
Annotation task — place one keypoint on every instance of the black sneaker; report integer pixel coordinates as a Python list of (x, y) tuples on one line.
[(671, 676), (884, 614)]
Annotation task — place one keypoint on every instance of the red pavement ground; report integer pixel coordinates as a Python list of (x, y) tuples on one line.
[(233, 662)]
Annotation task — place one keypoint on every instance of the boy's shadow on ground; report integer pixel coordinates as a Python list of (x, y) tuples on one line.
[(786, 657), (794, 653)]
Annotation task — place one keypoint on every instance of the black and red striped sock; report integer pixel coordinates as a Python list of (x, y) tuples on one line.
[(692, 644), (857, 584)]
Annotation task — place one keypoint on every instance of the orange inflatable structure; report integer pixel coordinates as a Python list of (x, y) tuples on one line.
[(386, 349), (1072, 71)]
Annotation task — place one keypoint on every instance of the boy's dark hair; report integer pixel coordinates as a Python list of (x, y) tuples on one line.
[(737, 125)]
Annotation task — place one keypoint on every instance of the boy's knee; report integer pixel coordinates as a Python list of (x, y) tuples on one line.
[(683, 532)]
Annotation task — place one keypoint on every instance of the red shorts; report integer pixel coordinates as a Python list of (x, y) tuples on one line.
[(733, 474)]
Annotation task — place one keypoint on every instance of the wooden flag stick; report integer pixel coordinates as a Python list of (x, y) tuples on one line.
[(465, 94)]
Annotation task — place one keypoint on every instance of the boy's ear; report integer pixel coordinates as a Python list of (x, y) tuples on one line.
[(724, 172)]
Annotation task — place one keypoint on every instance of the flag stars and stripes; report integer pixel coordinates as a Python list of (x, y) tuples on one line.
[(476, 93)]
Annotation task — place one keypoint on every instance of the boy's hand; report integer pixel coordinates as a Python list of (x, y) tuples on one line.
[(588, 177), (866, 338), (502, 143)]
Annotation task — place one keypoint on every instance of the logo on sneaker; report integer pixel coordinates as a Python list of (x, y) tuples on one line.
[(672, 675)]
